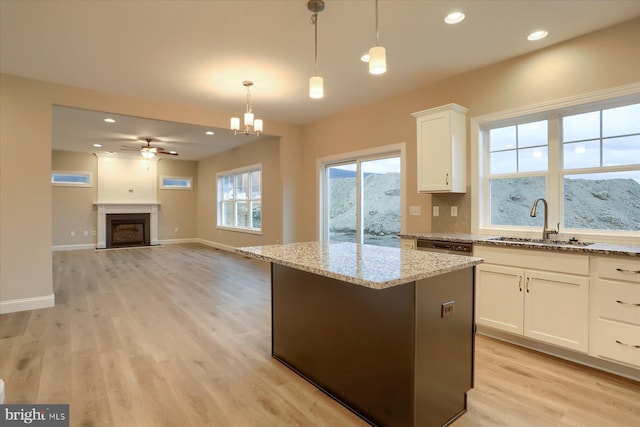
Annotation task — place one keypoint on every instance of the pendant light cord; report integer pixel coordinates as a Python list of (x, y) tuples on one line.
[(314, 21), (377, 32)]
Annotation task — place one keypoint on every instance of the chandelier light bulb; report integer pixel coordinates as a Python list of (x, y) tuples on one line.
[(235, 123)]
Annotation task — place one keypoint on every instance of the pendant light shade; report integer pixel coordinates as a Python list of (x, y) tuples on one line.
[(377, 54), (316, 88), (377, 60), (316, 83)]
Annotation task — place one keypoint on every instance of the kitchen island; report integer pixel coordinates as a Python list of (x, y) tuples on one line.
[(386, 332)]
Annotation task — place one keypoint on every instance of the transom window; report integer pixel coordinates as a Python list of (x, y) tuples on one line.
[(240, 199), (584, 160), (72, 179)]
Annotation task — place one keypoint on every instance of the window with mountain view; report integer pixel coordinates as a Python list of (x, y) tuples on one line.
[(362, 201), (585, 161)]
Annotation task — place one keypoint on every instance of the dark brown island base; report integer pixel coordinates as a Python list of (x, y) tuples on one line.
[(386, 332)]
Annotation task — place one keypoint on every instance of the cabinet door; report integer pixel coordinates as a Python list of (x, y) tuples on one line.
[(556, 309), (434, 152), (499, 297)]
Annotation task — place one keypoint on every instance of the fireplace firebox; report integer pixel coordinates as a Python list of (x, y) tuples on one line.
[(126, 230)]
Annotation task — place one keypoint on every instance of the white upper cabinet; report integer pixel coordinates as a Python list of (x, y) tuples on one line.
[(442, 149)]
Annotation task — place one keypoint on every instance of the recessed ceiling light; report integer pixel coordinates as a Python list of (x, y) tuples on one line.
[(454, 17), (110, 152), (537, 35), (210, 132), (109, 120), (365, 57), (173, 152), (97, 145)]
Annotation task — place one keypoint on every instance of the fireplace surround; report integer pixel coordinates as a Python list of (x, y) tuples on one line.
[(151, 209)]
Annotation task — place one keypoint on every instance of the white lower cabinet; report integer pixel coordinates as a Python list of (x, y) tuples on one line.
[(514, 295), (615, 310)]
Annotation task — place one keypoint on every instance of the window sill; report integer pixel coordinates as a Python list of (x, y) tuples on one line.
[(240, 230)]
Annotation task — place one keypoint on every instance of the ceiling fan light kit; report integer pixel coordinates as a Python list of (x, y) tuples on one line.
[(147, 151)]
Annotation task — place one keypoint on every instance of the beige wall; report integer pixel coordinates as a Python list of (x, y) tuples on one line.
[(177, 207), (26, 211), (265, 151), (73, 207), (601, 60)]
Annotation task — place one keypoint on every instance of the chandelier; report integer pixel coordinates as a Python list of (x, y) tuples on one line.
[(252, 126)]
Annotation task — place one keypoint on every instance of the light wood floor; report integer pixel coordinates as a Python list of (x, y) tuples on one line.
[(180, 336)]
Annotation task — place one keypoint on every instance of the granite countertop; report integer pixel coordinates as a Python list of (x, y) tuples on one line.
[(550, 245), (375, 267)]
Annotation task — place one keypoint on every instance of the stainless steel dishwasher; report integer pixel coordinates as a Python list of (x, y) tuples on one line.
[(455, 248)]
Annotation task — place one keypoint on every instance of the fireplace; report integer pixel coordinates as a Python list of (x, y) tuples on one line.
[(127, 229)]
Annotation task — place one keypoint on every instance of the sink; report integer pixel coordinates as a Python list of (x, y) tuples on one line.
[(549, 242)]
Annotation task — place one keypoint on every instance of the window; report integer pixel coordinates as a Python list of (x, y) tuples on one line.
[(176, 183), (362, 197), (72, 179), (584, 159), (240, 199)]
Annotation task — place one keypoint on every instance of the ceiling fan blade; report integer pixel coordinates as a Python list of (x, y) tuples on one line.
[(169, 153)]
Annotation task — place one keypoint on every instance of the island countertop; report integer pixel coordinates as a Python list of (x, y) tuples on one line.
[(375, 267)]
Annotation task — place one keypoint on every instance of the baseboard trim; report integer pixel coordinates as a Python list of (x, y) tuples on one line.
[(177, 241), (78, 247), (216, 245), (580, 358), (25, 304)]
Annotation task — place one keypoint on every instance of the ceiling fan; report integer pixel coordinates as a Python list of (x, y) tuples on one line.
[(147, 151)]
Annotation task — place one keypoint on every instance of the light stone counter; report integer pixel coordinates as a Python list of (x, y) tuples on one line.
[(609, 249), (375, 267)]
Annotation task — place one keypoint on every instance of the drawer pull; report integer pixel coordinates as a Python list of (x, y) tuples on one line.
[(628, 345), (520, 283), (628, 303), (622, 270), (527, 285)]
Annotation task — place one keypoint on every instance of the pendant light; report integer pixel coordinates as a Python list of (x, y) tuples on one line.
[(252, 126), (377, 54), (316, 83)]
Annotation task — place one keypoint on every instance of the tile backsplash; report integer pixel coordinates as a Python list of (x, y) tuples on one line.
[(445, 223)]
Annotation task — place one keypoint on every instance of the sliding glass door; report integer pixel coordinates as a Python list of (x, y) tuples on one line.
[(362, 200)]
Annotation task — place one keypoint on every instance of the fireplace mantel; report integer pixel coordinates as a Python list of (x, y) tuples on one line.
[(131, 208)]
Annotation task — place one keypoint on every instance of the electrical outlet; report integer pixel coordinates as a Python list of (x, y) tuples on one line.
[(86, 232), (436, 211), (94, 232), (73, 234), (447, 309), (175, 229), (415, 210), (454, 211)]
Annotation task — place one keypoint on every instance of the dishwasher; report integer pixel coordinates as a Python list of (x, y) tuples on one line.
[(454, 248)]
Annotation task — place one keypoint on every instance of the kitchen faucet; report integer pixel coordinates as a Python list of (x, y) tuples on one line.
[(545, 228)]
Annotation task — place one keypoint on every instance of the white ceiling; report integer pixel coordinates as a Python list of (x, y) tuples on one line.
[(199, 52)]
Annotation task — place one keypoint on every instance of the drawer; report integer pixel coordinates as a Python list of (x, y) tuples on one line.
[(627, 269), (561, 262), (616, 301), (614, 340)]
